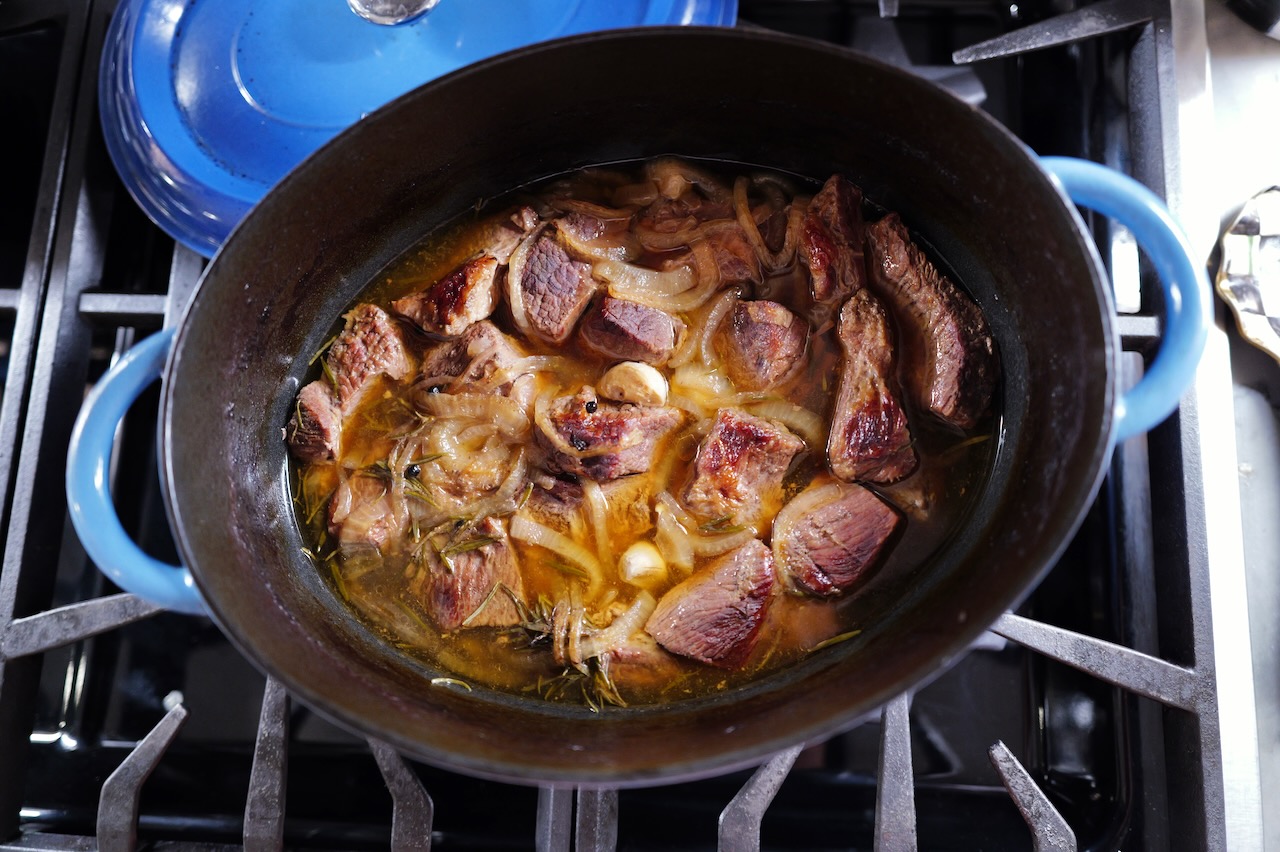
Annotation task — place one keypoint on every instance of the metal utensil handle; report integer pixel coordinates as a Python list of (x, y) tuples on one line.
[(1188, 306), (93, 513)]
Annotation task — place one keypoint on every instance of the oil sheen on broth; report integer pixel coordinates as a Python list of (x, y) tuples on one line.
[(643, 433)]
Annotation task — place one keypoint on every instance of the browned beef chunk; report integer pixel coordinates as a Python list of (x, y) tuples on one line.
[(316, 428), (831, 536), (734, 256), (581, 226), (556, 503), (739, 468), (762, 344), (673, 215), (949, 358), (369, 346), (870, 439), (642, 664), (628, 331), (831, 242), (588, 436), (364, 514), (480, 354), (715, 615), (501, 237), (460, 584), (464, 296), (552, 287)]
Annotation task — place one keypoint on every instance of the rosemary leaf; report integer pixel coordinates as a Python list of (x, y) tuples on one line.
[(835, 640), (466, 622), (322, 350), (450, 681), (465, 546)]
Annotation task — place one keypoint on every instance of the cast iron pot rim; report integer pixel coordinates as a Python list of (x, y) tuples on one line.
[(962, 635)]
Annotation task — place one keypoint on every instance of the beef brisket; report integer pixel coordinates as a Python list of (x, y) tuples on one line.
[(316, 428), (601, 440), (466, 295), (870, 438), (714, 616), (831, 242), (949, 358), (463, 585), (553, 288), (629, 331), (368, 346), (739, 468), (827, 539), (762, 344)]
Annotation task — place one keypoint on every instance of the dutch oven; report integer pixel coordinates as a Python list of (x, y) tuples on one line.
[(996, 214)]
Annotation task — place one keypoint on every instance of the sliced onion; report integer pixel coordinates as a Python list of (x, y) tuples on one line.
[(646, 286), (524, 528), (742, 210), (715, 316), (590, 208), (802, 421), (622, 628), (670, 173), (656, 240), (598, 512), (498, 410), (636, 194), (672, 540), (703, 545), (515, 271), (617, 246)]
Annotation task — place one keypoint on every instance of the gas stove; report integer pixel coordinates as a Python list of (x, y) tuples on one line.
[(1113, 709)]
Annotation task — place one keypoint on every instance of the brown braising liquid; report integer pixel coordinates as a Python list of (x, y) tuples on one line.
[(934, 500)]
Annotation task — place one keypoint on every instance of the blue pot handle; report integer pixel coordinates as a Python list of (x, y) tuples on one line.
[(88, 491), (1188, 305)]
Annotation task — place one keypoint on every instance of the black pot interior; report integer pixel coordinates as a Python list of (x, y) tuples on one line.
[(267, 302)]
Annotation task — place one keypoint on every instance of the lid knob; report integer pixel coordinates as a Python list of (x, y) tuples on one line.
[(391, 12)]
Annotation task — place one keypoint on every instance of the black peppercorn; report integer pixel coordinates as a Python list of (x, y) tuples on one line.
[(591, 406), (412, 471)]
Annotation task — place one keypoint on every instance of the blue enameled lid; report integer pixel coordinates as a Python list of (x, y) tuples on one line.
[(207, 103)]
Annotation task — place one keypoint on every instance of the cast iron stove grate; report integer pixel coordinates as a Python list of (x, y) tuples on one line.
[(1096, 742)]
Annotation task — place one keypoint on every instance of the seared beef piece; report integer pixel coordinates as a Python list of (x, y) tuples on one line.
[(762, 344), (829, 537), (739, 467), (472, 358), (464, 296), (831, 242), (601, 440), (949, 357), (641, 664), (370, 345), (735, 258), (715, 615), (581, 226), (460, 583), (553, 288), (628, 331), (672, 215), (555, 503), (364, 513), (505, 233), (870, 439), (316, 428)]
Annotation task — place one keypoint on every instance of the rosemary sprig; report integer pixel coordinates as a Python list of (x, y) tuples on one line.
[(450, 681), (594, 687), (466, 622), (721, 526), (835, 640), (467, 546)]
